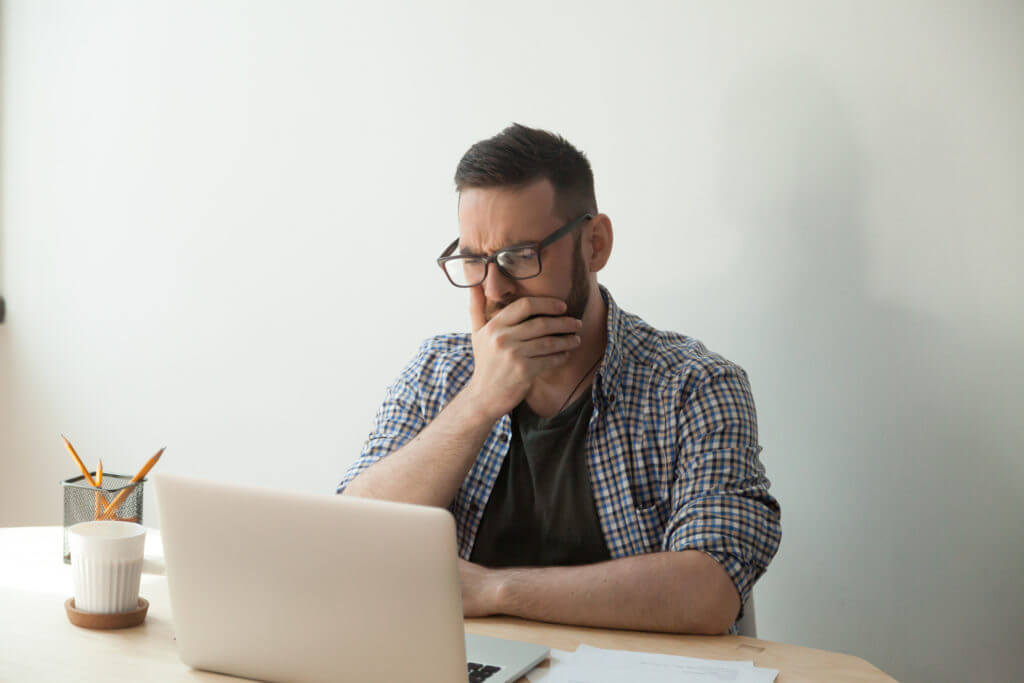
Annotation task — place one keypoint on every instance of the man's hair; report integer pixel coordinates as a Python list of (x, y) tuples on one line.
[(520, 155)]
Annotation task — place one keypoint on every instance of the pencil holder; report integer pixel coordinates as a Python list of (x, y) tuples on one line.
[(84, 503)]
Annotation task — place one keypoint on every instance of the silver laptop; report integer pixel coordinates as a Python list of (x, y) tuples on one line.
[(290, 587)]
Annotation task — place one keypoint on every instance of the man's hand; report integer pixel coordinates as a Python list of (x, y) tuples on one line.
[(479, 589), (511, 349)]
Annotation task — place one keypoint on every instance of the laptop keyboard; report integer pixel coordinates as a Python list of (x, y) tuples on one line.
[(480, 672)]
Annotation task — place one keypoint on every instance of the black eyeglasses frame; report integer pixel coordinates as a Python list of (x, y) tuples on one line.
[(558, 234)]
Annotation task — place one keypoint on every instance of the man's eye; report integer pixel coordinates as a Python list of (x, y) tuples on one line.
[(520, 255)]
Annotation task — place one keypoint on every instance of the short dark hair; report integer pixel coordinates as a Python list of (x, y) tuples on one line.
[(520, 155)]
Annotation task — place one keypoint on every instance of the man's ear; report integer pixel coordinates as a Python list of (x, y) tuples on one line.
[(597, 241)]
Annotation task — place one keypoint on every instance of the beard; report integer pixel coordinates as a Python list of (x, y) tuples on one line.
[(579, 291)]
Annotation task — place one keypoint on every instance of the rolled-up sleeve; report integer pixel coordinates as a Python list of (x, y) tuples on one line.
[(398, 419), (720, 500)]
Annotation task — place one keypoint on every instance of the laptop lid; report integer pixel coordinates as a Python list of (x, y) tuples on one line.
[(285, 586)]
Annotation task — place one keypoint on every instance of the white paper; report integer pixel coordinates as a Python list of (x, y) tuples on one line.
[(557, 658), (595, 665), (597, 652)]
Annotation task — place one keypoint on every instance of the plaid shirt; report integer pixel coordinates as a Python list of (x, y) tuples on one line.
[(672, 448)]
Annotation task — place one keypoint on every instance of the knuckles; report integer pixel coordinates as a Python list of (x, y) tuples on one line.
[(501, 341)]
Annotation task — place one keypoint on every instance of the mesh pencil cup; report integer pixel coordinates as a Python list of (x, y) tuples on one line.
[(83, 503)]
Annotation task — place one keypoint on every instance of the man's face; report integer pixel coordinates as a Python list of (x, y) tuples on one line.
[(494, 218)]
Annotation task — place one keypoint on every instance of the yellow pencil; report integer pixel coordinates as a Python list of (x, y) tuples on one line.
[(100, 502), (108, 511), (98, 507), (78, 460)]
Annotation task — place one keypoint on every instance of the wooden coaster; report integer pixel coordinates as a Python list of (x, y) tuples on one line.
[(106, 621)]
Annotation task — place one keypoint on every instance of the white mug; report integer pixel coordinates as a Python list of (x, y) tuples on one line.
[(106, 565)]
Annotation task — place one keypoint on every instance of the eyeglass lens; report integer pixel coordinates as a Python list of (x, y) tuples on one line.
[(516, 263)]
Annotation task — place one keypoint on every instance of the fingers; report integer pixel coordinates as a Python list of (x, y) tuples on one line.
[(546, 325), (477, 312), (546, 346), (529, 306)]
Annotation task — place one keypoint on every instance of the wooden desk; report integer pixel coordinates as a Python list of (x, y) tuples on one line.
[(38, 643)]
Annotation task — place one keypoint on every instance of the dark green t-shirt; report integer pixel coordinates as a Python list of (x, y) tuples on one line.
[(541, 511)]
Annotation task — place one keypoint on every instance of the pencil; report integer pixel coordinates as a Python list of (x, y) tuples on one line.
[(108, 511), (98, 507), (78, 460)]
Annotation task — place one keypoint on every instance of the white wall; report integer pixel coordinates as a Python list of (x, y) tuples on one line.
[(219, 221)]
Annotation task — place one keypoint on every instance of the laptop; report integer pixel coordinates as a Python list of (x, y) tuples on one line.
[(282, 586)]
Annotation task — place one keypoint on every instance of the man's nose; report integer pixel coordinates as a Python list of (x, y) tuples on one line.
[(497, 287)]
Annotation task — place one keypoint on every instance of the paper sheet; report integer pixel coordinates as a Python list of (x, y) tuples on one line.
[(542, 673), (595, 665)]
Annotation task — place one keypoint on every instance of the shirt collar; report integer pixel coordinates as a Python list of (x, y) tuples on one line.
[(608, 373)]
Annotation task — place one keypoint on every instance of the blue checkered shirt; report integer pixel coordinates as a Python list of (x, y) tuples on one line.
[(671, 451)]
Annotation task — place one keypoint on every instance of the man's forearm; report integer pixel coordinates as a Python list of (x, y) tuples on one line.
[(429, 469), (676, 592)]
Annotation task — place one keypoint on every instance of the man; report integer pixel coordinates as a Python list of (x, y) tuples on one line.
[(601, 472)]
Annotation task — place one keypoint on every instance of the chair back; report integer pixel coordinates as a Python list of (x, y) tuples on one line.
[(747, 626)]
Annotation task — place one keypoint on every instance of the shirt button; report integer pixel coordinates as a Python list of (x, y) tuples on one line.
[(505, 437), (473, 507)]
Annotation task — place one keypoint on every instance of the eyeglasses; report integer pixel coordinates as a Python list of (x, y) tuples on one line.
[(519, 262)]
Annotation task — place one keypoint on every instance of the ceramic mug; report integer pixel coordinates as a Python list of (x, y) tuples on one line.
[(106, 565)]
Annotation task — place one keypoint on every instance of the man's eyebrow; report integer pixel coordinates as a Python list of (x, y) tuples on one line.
[(466, 251)]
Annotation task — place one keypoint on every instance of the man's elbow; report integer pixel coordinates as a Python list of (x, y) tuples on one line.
[(717, 620), (719, 602), (713, 617)]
